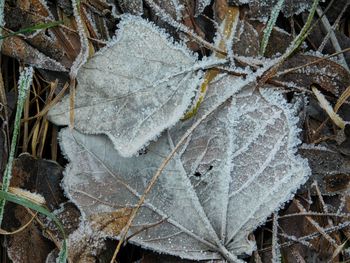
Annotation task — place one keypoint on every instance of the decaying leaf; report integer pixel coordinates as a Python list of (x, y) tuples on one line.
[(329, 75), (84, 246), (17, 48), (133, 89), (329, 168), (20, 247), (38, 176), (202, 206)]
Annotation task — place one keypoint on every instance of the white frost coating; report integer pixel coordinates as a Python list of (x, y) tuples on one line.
[(132, 90), (235, 169)]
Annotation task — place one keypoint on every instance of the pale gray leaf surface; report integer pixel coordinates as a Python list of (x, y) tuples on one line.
[(133, 89), (234, 170)]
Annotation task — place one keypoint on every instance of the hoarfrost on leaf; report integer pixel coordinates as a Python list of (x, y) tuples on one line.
[(133, 89), (237, 167)]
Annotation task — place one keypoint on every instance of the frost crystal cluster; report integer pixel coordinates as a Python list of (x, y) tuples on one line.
[(237, 167)]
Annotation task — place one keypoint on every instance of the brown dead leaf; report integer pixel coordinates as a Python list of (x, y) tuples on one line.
[(329, 168), (329, 75), (279, 41), (189, 20), (84, 245), (247, 40), (43, 177), (69, 215), (17, 48), (299, 226), (111, 223), (40, 176), (48, 44), (20, 247)]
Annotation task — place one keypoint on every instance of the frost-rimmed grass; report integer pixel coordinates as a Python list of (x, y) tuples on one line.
[(25, 81), (303, 33), (270, 24), (24, 84)]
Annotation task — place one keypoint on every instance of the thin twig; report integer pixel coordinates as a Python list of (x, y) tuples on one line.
[(311, 63), (333, 37)]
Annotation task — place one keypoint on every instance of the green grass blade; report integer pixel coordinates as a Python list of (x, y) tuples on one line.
[(29, 204), (33, 28), (24, 83), (270, 24), (304, 31)]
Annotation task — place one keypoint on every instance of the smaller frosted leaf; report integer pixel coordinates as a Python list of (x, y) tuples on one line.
[(132, 90)]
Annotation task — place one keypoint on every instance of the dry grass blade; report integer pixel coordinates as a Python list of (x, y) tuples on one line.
[(343, 97), (328, 108), (4, 232)]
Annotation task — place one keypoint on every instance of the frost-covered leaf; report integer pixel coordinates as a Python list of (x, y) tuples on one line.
[(235, 169), (132, 90), (328, 74)]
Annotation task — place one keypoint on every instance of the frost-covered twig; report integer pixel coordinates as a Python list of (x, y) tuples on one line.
[(25, 81), (333, 37), (313, 235), (276, 253), (317, 226)]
